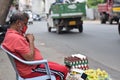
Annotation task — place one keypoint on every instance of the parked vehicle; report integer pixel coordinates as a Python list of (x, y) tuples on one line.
[(109, 11), (66, 15), (36, 17)]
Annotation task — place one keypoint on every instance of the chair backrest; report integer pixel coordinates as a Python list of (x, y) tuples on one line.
[(12, 57)]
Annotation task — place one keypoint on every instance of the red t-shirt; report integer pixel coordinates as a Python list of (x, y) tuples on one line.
[(18, 45)]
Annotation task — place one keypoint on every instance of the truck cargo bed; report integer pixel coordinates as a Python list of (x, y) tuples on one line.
[(102, 7), (68, 10)]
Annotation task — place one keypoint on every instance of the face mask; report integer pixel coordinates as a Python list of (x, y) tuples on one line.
[(24, 29)]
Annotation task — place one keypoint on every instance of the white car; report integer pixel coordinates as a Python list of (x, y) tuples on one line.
[(36, 17)]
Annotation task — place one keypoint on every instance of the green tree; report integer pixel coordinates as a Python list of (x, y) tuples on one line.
[(94, 3), (4, 9)]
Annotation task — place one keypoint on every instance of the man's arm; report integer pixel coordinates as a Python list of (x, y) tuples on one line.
[(30, 56)]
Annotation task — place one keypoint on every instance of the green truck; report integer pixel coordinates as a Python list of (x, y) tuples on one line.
[(66, 16)]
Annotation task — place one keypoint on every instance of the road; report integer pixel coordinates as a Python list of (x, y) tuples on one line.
[(99, 42)]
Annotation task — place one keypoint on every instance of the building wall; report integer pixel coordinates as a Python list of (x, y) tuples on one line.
[(38, 6), (48, 4)]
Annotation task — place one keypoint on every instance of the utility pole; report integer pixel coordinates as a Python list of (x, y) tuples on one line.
[(4, 9)]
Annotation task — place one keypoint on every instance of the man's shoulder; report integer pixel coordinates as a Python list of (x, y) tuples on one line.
[(14, 36)]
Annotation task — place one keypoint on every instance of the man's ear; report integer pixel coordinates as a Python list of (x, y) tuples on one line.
[(18, 23)]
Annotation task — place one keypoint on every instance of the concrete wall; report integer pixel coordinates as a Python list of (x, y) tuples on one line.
[(37, 6), (92, 14), (48, 4), (25, 5)]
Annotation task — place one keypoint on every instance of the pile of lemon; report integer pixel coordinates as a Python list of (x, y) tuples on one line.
[(97, 74)]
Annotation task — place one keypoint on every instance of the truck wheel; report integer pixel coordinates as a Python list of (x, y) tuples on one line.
[(80, 28), (110, 21), (67, 28), (58, 30), (49, 28), (119, 28), (103, 21), (118, 21)]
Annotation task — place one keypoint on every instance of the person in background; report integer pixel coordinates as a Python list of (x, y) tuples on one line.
[(22, 45)]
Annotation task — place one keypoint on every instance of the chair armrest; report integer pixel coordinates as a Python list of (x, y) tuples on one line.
[(35, 62)]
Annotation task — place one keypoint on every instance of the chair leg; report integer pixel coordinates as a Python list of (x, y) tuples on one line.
[(17, 77)]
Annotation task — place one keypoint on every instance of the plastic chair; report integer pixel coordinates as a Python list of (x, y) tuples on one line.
[(47, 76)]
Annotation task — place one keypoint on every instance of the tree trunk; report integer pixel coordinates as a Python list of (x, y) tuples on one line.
[(4, 9)]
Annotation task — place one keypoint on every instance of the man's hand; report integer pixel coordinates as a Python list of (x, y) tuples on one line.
[(30, 55), (29, 37)]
